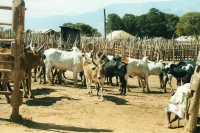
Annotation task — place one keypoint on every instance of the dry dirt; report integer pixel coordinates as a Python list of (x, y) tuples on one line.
[(64, 109)]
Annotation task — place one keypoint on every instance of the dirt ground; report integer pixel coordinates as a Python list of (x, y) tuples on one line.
[(64, 109)]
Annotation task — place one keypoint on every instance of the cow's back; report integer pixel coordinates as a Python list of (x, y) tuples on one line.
[(63, 60), (137, 67)]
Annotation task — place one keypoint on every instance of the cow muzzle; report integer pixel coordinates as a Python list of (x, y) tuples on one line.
[(99, 77)]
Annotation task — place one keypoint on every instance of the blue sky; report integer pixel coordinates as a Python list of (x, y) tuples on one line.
[(46, 8)]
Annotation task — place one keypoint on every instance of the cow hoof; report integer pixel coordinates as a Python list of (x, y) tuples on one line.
[(102, 99), (25, 96), (32, 97), (90, 94)]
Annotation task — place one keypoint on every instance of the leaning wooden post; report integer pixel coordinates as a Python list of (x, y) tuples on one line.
[(18, 9), (191, 121)]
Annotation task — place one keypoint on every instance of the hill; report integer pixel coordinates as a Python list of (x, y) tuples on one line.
[(96, 18)]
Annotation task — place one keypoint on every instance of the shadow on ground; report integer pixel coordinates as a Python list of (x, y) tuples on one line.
[(46, 101), (116, 100), (53, 127)]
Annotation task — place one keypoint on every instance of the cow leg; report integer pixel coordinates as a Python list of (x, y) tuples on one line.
[(161, 78), (124, 82), (54, 73), (101, 88), (59, 75), (4, 86), (28, 80), (44, 75), (75, 79), (97, 88), (165, 83), (107, 79), (9, 87), (123, 86), (139, 81), (48, 71), (1, 88), (24, 85), (147, 85), (35, 72), (88, 82), (117, 82), (143, 84), (110, 80)]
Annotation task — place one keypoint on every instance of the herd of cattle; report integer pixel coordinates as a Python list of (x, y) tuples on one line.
[(94, 67)]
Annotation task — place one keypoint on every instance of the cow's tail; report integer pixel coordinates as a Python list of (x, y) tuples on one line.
[(64, 74)]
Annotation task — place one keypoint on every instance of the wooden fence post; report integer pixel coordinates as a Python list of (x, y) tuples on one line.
[(18, 9), (191, 121)]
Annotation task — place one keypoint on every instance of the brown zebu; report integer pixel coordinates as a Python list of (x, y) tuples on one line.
[(29, 61), (94, 71)]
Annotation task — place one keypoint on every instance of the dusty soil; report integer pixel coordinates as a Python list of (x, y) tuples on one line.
[(64, 109)]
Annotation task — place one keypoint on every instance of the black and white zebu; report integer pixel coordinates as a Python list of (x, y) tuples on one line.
[(185, 68)]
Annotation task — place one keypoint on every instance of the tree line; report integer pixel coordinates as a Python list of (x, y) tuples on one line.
[(156, 24), (152, 24)]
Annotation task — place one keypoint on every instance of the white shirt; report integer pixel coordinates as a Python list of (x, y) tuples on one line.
[(178, 106)]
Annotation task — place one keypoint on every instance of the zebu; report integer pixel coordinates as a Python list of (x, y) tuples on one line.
[(64, 60)]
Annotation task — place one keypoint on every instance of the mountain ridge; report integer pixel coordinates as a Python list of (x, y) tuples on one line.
[(96, 18)]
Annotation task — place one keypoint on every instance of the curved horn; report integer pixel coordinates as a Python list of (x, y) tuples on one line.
[(94, 62), (105, 62), (102, 55), (30, 45), (40, 48), (97, 54), (27, 47)]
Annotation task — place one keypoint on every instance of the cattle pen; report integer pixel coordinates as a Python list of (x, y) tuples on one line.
[(154, 48)]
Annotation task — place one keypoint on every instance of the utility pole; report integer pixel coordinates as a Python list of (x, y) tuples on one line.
[(104, 23)]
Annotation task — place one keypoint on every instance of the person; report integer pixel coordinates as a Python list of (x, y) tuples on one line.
[(178, 104)]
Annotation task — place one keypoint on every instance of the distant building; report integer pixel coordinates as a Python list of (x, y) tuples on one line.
[(119, 34), (69, 36)]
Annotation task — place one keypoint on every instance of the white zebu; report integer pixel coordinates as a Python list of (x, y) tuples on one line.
[(64, 60), (137, 67), (157, 68)]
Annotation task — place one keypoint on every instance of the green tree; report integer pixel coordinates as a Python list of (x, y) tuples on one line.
[(129, 23), (156, 24), (71, 25), (87, 30), (114, 22), (189, 24), (171, 21), (141, 29)]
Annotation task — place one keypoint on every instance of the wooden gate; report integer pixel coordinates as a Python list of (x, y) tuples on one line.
[(17, 46)]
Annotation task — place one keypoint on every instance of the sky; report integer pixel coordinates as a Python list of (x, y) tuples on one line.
[(46, 8)]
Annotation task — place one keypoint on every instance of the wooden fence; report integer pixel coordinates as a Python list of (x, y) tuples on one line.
[(155, 48), (168, 50)]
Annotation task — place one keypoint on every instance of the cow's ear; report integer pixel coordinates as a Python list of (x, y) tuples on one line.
[(93, 68), (43, 56)]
